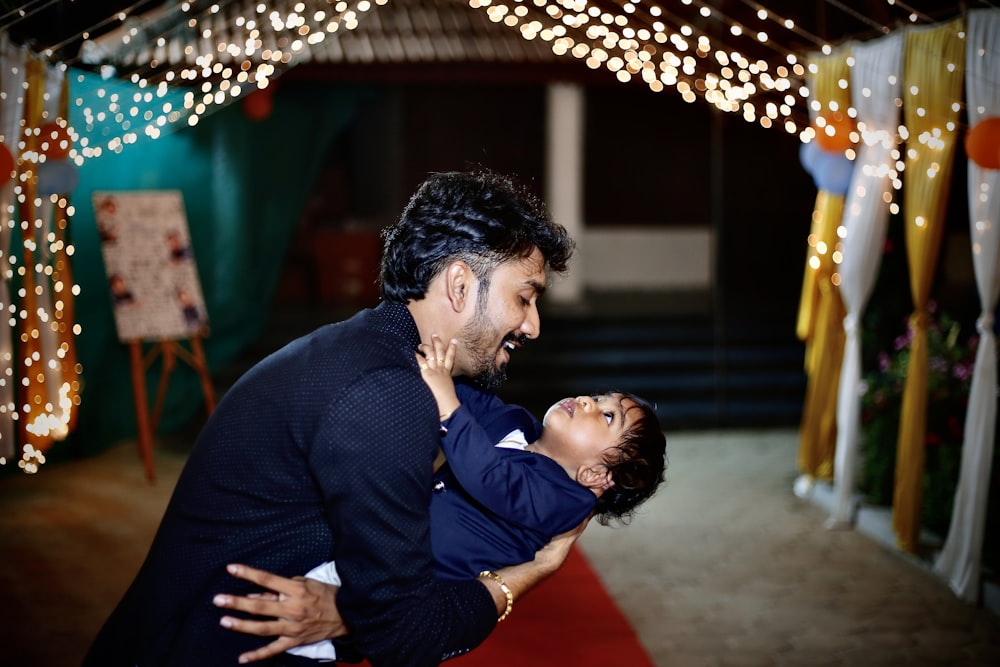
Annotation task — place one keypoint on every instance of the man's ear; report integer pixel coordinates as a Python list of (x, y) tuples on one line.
[(459, 282), (596, 478)]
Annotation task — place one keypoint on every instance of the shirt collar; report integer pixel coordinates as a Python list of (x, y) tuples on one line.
[(395, 318)]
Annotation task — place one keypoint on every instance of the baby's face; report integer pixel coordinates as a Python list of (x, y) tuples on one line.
[(579, 430)]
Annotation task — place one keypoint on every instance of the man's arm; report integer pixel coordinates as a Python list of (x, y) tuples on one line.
[(522, 578), (305, 611)]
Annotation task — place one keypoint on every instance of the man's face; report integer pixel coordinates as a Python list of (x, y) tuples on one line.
[(507, 319)]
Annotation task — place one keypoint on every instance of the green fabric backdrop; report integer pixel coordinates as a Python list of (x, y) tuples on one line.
[(245, 184)]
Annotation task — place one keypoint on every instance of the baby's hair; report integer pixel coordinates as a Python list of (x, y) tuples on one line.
[(637, 464)]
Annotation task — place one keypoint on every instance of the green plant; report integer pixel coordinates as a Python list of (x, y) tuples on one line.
[(950, 363)]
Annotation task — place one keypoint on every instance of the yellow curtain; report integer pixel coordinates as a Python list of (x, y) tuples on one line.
[(65, 318), (934, 70), (827, 91), (810, 288), (821, 311), (63, 312), (34, 417), (824, 356)]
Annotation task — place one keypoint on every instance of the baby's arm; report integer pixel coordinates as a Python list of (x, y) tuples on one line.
[(521, 494), (435, 367)]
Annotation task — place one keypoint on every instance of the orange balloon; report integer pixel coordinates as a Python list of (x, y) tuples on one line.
[(6, 165), (834, 135), (54, 141), (982, 143)]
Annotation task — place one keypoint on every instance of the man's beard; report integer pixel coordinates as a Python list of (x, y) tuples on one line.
[(476, 338)]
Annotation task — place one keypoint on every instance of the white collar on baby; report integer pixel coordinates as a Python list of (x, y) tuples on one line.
[(514, 440)]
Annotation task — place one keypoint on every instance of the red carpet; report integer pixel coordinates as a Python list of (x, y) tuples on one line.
[(569, 619)]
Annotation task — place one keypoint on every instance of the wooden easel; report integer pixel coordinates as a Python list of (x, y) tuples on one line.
[(170, 351)]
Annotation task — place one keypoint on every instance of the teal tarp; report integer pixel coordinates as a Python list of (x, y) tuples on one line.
[(244, 184)]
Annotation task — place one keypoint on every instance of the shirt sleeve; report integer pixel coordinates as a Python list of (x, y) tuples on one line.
[(534, 493), (373, 463)]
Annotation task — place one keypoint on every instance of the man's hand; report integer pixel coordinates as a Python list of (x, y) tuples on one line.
[(303, 611), (551, 557), (554, 553)]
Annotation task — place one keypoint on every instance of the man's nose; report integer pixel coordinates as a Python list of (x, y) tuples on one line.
[(532, 324)]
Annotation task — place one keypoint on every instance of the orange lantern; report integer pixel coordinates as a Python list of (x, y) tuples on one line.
[(54, 141), (982, 143), (6, 165), (833, 134)]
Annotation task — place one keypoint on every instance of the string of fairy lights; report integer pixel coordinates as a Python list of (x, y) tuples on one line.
[(664, 51), (229, 50), (231, 57)]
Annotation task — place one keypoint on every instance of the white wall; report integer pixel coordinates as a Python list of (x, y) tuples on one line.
[(637, 258)]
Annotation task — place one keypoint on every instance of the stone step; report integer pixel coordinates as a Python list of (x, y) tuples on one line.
[(697, 371)]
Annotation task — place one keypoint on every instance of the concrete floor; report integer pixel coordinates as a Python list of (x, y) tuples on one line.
[(725, 567)]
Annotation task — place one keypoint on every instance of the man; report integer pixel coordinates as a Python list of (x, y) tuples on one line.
[(325, 451)]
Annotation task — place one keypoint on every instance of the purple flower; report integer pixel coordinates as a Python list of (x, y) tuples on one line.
[(962, 371), (883, 361)]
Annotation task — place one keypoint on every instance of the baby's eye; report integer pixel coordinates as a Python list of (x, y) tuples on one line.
[(610, 417)]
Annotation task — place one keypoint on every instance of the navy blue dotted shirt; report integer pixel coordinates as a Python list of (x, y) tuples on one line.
[(323, 451)]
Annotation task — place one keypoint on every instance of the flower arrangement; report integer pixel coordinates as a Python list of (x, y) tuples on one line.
[(950, 364)]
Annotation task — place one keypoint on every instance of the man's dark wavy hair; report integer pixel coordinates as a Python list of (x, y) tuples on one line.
[(480, 217), (637, 465)]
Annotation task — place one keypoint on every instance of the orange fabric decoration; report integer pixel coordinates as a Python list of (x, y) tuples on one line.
[(54, 141), (6, 165), (842, 127), (982, 143)]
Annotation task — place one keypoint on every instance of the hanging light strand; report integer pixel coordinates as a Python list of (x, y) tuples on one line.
[(233, 55), (22, 12)]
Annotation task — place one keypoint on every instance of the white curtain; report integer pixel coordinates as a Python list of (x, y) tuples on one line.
[(11, 111), (959, 561), (875, 83)]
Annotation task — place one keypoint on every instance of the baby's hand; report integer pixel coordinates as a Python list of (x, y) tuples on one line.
[(436, 361)]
